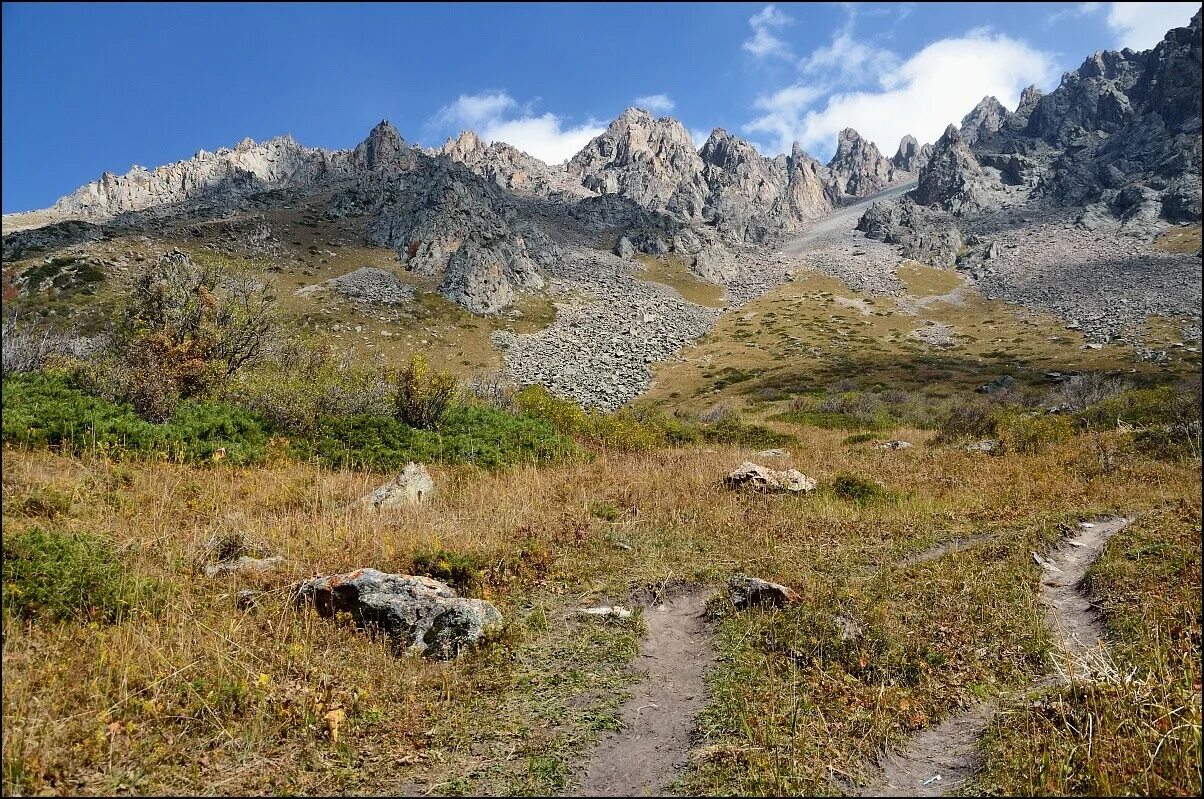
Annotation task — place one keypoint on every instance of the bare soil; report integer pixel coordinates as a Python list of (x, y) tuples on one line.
[(659, 720)]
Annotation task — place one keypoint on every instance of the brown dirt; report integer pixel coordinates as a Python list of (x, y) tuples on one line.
[(659, 719), (939, 760), (1069, 613)]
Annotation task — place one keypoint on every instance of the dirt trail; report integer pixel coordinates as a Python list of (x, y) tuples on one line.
[(659, 718), (1069, 614), (937, 761)]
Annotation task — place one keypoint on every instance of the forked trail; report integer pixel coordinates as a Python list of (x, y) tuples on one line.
[(939, 760)]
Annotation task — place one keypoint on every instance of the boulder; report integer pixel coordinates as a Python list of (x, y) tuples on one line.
[(421, 615), (624, 249), (747, 592), (762, 478), (244, 565), (895, 444), (1001, 383), (413, 485), (986, 445)]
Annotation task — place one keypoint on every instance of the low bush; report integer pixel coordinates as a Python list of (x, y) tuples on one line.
[(45, 410), (967, 420), (58, 576), (630, 430), (423, 394), (855, 488), (479, 435), (1026, 433), (459, 570)]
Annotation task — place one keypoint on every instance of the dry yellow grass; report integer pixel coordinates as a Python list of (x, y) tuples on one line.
[(1185, 238), (814, 332), (203, 698), (670, 271)]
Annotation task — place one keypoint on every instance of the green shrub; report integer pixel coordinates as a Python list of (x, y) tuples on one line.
[(423, 394), (1033, 433), (859, 438), (967, 420), (480, 435), (46, 502), (605, 510), (630, 430), (58, 576), (459, 570), (857, 489), (44, 410)]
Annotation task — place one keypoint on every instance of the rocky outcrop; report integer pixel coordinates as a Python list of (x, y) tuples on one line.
[(650, 161), (421, 615), (924, 234), (509, 167), (762, 478), (911, 157), (984, 119), (953, 179), (748, 592), (412, 486), (1128, 119), (247, 167), (858, 168)]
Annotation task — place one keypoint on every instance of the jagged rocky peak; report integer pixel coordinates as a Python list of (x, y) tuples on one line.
[(384, 147), (911, 157), (858, 168), (506, 165), (984, 119), (1126, 123), (642, 158), (952, 179), (806, 188), (247, 166)]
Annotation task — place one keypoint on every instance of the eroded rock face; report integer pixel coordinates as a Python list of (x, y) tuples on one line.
[(509, 167), (858, 168), (924, 234), (762, 478), (984, 119), (1126, 118), (911, 157), (422, 615), (648, 160), (953, 179), (749, 592)]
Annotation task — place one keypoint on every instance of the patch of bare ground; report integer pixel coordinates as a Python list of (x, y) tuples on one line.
[(659, 719)]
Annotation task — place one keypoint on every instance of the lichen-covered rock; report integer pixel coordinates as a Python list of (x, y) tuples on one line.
[(762, 478), (244, 565), (413, 485), (748, 592), (422, 615)]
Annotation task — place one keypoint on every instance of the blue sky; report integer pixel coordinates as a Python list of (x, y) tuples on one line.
[(95, 87)]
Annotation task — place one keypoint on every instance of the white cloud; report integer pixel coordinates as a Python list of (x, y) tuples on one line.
[(935, 87), (847, 59), (1072, 11), (656, 103), (474, 109), (699, 136), (1140, 26), (496, 116), (763, 43)]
